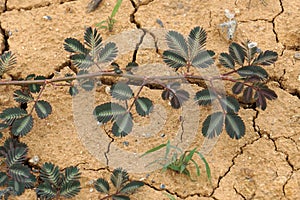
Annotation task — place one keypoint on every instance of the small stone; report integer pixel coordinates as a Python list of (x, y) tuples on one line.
[(91, 189), (162, 186), (34, 160), (162, 135), (126, 143), (46, 17), (297, 56)]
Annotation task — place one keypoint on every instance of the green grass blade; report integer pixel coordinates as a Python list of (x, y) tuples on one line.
[(207, 168), (197, 167), (154, 149), (116, 8)]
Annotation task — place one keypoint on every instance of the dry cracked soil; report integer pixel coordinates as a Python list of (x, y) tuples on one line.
[(264, 164)]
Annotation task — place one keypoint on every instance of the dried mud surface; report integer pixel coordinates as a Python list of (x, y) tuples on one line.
[(265, 164)]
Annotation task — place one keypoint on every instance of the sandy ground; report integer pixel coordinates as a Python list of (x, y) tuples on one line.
[(262, 165)]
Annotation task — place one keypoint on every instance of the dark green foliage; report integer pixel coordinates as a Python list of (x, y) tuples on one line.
[(179, 162), (43, 109), (205, 97), (57, 184), (213, 125), (188, 52), (123, 187), (22, 126), (17, 176), (35, 88), (7, 61), (121, 91), (23, 96), (175, 95), (143, 106)]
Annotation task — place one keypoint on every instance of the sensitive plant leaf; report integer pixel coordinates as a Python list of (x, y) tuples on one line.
[(131, 187), (7, 61), (247, 94), (35, 88), (237, 88), (43, 109), (22, 126), (30, 181), (22, 96), (178, 98), (72, 45), (174, 60), (45, 190), (93, 40), (261, 100), (266, 58), (19, 172), (50, 173), (108, 53), (102, 186), (196, 40), (10, 114), (229, 104), (205, 97), (120, 197), (121, 91), (70, 189), (105, 112), (166, 94), (3, 178), (123, 125), (213, 125), (237, 52), (143, 106), (82, 61), (249, 71), (18, 188), (119, 177), (177, 43), (234, 126), (30, 77), (71, 174), (268, 93), (203, 59), (87, 84), (16, 156), (73, 90), (226, 60)]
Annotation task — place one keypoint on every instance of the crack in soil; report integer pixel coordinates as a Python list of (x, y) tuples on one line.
[(5, 45), (273, 21)]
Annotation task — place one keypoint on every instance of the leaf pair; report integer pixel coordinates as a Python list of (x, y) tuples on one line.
[(175, 95), (95, 54), (188, 52), (120, 181), (56, 184), (120, 115)]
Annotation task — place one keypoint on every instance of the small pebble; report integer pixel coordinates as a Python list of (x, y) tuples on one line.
[(34, 160), (46, 17), (162, 135), (297, 55), (126, 143), (162, 186)]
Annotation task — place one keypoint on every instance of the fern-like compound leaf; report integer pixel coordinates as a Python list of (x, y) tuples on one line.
[(266, 58), (121, 91), (174, 60), (93, 40), (22, 126), (237, 52), (196, 41), (253, 71), (143, 106), (177, 43), (50, 173), (229, 104), (71, 174), (22, 96), (30, 181), (237, 88), (205, 97), (19, 172), (119, 177), (7, 61), (108, 53), (72, 45), (87, 84), (107, 111), (226, 60), (123, 125), (70, 189), (234, 126), (43, 109), (213, 125), (203, 59), (18, 188), (82, 61), (102, 186), (178, 98), (247, 94), (131, 187), (10, 114), (46, 191), (3, 178), (120, 197), (16, 155)]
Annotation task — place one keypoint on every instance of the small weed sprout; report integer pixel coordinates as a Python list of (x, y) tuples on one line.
[(179, 162), (123, 186), (110, 22)]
